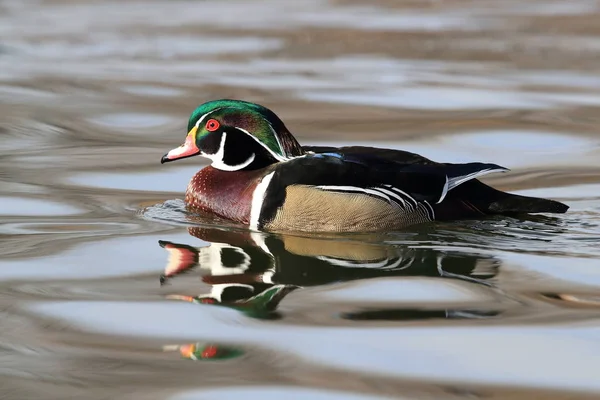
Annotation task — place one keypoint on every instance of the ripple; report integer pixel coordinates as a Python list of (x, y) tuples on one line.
[(414, 314), (149, 90), (375, 18), (131, 120), (403, 290), (536, 148), (174, 212), (430, 98), (13, 93), (513, 355), (85, 228), (108, 45), (35, 207), (555, 270), (274, 393), (531, 323), (526, 141), (439, 98), (169, 179), (582, 191), (120, 256)]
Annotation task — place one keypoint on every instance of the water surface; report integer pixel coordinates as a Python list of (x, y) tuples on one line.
[(109, 288)]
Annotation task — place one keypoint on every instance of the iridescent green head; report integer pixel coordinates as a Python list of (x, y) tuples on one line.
[(236, 135)]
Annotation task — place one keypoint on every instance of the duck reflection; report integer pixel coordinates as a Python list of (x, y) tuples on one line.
[(253, 272), (205, 351)]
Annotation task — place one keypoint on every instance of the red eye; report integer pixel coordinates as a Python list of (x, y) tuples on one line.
[(212, 125), (210, 351)]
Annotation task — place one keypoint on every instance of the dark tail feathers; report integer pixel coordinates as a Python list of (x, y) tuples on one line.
[(474, 198)]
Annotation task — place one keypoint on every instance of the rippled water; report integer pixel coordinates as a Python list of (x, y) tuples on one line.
[(109, 289)]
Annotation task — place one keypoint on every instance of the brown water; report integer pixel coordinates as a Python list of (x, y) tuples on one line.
[(92, 94)]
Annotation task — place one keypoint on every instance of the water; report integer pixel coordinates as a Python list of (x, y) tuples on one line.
[(110, 289)]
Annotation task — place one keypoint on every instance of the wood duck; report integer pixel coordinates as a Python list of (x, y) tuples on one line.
[(261, 177)]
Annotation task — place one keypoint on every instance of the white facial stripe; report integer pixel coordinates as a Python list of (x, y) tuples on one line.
[(206, 115), (258, 198), (428, 209), (276, 136), (275, 155), (217, 158)]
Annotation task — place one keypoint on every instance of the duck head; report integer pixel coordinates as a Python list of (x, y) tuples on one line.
[(236, 135)]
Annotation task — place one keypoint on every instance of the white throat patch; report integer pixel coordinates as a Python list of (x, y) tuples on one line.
[(217, 158)]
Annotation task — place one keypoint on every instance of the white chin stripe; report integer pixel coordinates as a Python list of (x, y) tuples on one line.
[(217, 158)]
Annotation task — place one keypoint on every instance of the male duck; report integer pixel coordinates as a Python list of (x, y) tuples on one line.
[(262, 177)]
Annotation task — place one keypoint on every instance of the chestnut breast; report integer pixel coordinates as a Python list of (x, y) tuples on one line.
[(227, 194)]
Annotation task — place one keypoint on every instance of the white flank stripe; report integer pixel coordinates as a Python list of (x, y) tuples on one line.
[(355, 189), (342, 188), (276, 137), (395, 196), (431, 213), (258, 197), (406, 195), (376, 192)]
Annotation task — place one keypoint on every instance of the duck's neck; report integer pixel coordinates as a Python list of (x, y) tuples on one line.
[(224, 193)]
